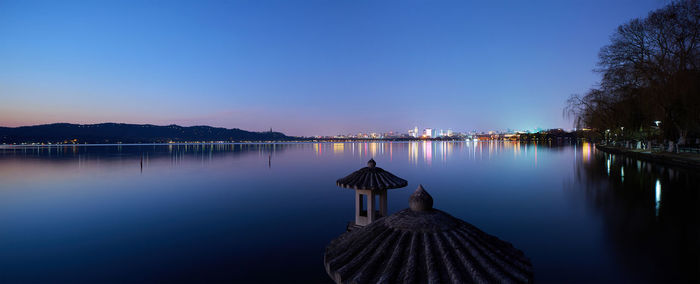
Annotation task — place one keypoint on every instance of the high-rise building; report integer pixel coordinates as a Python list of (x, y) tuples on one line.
[(413, 132), (428, 132)]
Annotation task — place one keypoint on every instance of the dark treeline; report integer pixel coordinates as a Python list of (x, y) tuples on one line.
[(650, 86), (129, 133), (549, 135)]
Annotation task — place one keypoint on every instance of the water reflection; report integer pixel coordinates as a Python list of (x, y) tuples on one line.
[(427, 152), (338, 148), (413, 152), (140, 156), (653, 232), (580, 214), (586, 152), (658, 196)]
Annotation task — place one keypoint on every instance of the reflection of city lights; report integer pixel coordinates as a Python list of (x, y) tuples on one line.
[(373, 149), (428, 151), (658, 196), (446, 150), (586, 152), (607, 162), (391, 151), (622, 173), (481, 150), (535, 154), (413, 152), (338, 148)]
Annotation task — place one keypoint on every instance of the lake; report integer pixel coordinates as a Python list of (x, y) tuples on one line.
[(264, 213)]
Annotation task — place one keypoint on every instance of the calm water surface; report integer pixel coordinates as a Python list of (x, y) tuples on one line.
[(265, 212)]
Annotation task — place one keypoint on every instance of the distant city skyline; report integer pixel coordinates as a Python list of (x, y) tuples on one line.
[(429, 132), (302, 68)]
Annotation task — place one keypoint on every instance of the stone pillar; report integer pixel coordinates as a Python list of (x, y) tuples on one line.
[(382, 204), (371, 208), (366, 217), (374, 209), (358, 207)]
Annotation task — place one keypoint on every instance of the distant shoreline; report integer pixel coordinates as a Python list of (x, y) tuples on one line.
[(229, 143), (265, 142), (124, 134)]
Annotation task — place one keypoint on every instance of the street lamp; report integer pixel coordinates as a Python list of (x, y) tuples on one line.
[(657, 122), (622, 134), (622, 131)]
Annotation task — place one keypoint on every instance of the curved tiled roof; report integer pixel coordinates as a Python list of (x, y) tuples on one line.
[(424, 246), (372, 178)]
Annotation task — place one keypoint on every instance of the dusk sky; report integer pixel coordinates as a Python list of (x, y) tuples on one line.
[(303, 67)]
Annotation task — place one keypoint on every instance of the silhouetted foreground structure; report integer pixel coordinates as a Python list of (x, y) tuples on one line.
[(424, 245), (369, 184)]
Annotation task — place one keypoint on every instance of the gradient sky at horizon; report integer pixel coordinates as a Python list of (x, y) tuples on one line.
[(303, 67)]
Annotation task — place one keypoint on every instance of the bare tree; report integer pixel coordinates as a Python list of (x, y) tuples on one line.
[(650, 71)]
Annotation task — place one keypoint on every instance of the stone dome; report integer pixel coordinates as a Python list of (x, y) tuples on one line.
[(371, 178), (424, 246)]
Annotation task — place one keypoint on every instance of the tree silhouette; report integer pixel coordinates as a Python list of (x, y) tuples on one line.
[(649, 73)]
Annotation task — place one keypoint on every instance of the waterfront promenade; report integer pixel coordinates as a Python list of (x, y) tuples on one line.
[(687, 160)]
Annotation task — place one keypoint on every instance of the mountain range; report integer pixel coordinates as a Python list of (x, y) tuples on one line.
[(129, 133)]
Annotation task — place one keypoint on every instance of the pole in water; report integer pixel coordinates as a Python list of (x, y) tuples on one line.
[(269, 161), (141, 162)]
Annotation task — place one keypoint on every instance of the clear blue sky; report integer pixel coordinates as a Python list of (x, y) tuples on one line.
[(303, 67)]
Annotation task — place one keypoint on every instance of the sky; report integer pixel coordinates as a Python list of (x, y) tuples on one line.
[(303, 67)]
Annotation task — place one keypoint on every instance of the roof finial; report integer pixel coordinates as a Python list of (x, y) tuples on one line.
[(420, 200), (371, 163)]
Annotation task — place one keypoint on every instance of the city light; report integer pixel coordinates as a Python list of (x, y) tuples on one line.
[(658, 196)]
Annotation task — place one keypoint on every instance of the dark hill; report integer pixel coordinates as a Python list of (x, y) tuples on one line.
[(129, 133)]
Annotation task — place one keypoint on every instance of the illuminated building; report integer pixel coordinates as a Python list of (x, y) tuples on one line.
[(428, 132), (413, 132)]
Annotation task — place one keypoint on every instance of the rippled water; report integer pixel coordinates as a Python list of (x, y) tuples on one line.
[(265, 212)]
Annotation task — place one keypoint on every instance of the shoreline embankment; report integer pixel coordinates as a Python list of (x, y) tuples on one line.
[(685, 160)]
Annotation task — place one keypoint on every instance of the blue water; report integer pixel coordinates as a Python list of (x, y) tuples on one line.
[(263, 213)]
